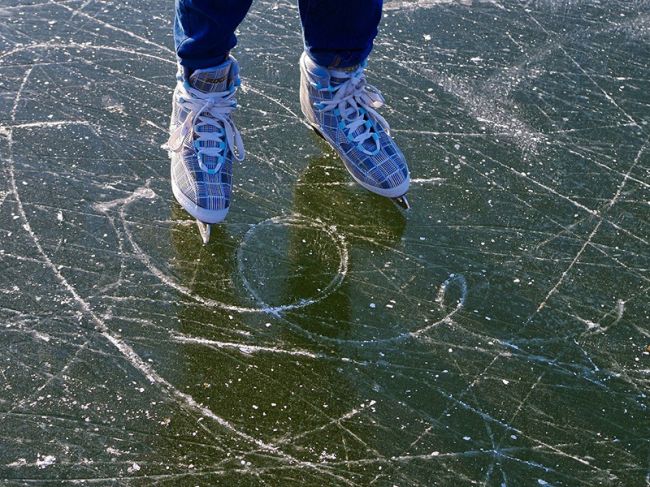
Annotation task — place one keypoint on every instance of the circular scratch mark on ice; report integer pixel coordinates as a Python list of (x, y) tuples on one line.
[(332, 286), (278, 311), (300, 220)]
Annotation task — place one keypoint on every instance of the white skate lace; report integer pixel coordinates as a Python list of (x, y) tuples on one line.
[(356, 102), (208, 110)]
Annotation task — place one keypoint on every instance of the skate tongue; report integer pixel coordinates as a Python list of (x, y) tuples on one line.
[(210, 80), (334, 77), (340, 75)]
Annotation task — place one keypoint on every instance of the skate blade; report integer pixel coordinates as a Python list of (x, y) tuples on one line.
[(318, 132), (403, 202), (204, 230)]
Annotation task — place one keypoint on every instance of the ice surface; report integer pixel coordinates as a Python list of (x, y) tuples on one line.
[(494, 335)]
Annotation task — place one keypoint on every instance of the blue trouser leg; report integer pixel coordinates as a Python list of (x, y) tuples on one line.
[(337, 33), (204, 30)]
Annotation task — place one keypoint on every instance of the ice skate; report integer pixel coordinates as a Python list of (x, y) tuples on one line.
[(204, 142), (342, 108)]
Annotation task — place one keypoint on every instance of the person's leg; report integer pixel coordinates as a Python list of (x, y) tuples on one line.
[(204, 142), (338, 102), (204, 31), (339, 33)]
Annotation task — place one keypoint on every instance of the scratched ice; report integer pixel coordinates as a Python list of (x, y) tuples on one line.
[(495, 335)]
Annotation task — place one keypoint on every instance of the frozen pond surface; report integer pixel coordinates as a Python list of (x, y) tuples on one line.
[(495, 335)]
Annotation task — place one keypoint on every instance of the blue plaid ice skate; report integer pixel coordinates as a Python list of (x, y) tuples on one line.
[(342, 107), (204, 141)]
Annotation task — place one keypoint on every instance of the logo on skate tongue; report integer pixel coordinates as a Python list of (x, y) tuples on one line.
[(215, 80)]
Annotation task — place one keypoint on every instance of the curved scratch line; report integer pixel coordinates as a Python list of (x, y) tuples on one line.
[(128, 352), (402, 337), (332, 286), (145, 192)]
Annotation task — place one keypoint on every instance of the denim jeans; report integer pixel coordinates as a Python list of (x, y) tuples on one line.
[(336, 33)]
